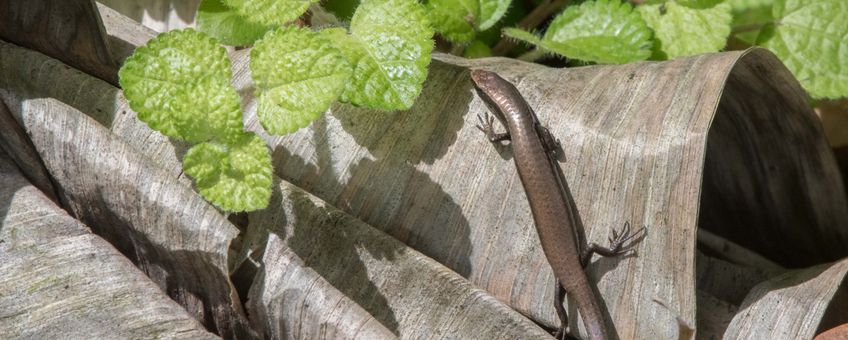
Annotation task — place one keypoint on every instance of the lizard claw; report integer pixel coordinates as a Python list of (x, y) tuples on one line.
[(620, 243), (486, 124)]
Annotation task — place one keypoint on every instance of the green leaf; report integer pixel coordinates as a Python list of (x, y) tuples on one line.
[(749, 17), (389, 48), (477, 49), (270, 12), (179, 83), (522, 36), (298, 73), (234, 177), (603, 31), (223, 23), (738, 6), (491, 11), (810, 38), (454, 19), (684, 31)]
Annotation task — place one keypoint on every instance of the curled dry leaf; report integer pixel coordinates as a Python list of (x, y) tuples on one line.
[(61, 281)]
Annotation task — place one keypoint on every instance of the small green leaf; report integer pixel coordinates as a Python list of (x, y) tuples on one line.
[(684, 31), (179, 83), (602, 31), (522, 36), (234, 177), (223, 23), (477, 49), (299, 74), (389, 48), (454, 19), (270, 12), (491, 11), (810, 38)]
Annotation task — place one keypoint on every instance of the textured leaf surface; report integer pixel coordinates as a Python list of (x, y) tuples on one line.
[(603, 31), (299, 74), (225, 24), (491, 11), (454, 19), (684, 31), (179, 83), (389, 48), (234, 177), (270, 12), (810, 38)]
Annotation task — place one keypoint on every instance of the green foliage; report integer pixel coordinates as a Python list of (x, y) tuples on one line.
[(491, 11), (454, 19), (270, 12), (389, 48), (522, 36), (179, 83), (298, 74), (460, 20), (810, 38), (234, 177), (683, 31), (225, 24), (603, 31)]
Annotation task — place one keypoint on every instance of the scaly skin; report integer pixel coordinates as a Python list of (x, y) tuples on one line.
[(533, 151)]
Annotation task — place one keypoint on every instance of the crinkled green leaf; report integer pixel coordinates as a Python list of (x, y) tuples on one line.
[(389, 48), (491, 11), (522, 36), (810, 38), (179, 83), (684, 31), (270, 12), (234, 177), (477, 49), (454, 19), (226, 25), (298, 73), (602, 31)]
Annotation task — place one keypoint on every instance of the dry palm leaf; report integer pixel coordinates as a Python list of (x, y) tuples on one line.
[(412, 295), (724, 141), (789, 306), (61, 281), (721, 141), (121, 121), (173, 235)]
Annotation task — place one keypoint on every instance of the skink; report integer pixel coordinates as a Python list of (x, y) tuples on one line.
[(534, 151)]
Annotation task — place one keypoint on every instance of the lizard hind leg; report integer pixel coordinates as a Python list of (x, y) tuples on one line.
[(559, 299), (551, 143)]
